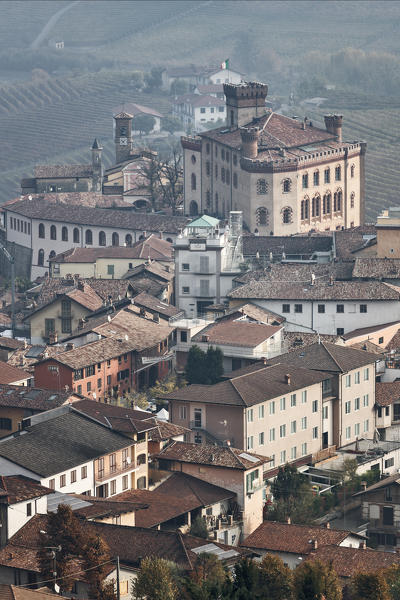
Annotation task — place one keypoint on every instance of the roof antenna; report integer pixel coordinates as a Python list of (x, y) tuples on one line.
[(319, 339)]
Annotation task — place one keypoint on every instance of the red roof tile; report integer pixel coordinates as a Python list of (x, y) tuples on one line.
[(349, 561), (387, 392), (10, 374)]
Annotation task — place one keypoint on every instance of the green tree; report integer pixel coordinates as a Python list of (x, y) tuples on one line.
[(293, 497), (275, 578), (209, 580), (171, 124), (179, 87), (214, 364), (199, 528), (156, 580), (153, 80), (246, 580), (195, 366), (316, 581), (96, 560), (143, 123), (371, 586)]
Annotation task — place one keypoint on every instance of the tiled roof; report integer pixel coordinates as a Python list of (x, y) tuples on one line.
[(284, 537), (104, 507), (100, 217), (380, 484), (104, 288), (179, 494), (214, 456), (75, 199), (377, 268), (338, 290), (349, 241), (290, 245), (61, 443), (367, 330), (56, 171), (394, 343), (368, 347), (11, 343), (253, 313), (30, 398), (387, 392), (197, 100), (13, 592), (92, 353), (136, 109), (297, 339), (102, 412), (236, 333), (349, 561), (10, 374), (18, 488), (327, 357), (210, 88), (152, 268), (166, 431), (253, 385), (155, 305)]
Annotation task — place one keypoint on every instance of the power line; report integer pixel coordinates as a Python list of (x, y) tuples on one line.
[(55, 579)]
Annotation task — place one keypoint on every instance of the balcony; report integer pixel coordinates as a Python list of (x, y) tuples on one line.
[(110, 473)]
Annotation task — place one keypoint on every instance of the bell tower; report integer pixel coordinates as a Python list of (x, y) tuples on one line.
[(123, 136), (244, 102), (97, 166)]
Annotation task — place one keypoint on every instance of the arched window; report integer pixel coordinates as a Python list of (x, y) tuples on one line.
[(141, 459), (352, 199), (228, 176), (286, 185), (337, 201), (262, 187), (102, 238), (193, 181), (338, 173), (128, 240), (76, 235), (193, 159), (235, 180), (41, 230), (305, 208), (352, 170), (316, 177), (88, 237), (287, 215), (315, 206), (52, 254), (53, 232), (223, 174), (262, 216), (193, 208), (208, 199), (115, 239), (40, 260), (327, 203), (235, 159), (64, 234)]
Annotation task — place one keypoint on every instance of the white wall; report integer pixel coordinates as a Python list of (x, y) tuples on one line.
[(17, 513)]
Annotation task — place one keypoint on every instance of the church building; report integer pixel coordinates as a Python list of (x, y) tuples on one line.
[(285, 174)]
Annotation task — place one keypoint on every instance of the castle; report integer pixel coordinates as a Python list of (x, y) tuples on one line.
[(285, 174)]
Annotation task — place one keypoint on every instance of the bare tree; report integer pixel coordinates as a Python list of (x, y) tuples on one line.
[(171, 179), (149, 171)]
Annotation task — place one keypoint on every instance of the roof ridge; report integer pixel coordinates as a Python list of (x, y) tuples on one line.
[(332, 357), (237, 457), (180, 538), (237, 391)]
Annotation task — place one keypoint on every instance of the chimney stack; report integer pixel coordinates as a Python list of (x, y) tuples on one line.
[(249, 136), (364, 485), (328, 525), (333, 124), (287, 379), (288, 520), (314, 544)]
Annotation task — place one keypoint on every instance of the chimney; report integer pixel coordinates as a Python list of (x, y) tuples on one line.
[(288, 520), (363, 545), (364, 485), (287, 378), (314, 544), (264, 360), (69, 346), (205, 338), (80, 285), (249, 136), (333, 124), (327, 525)]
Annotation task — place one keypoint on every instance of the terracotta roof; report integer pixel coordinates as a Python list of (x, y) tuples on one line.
[(61, 443), (13, 592), (136, 109), (252, 385), (166, 431), (377, 268), (349, 561), (75, 199), (394, 343), (368, 347), (104, 288), (197, 100), (156, 306), (327, 357), (11, 343), (10, 374), (18, 488), (92, 353), (338, 290), (152, 268), (284, 537), (102, 412), (349, 241), (297, 339), (290, 245), (367, 330), (387, 392), (214, 456), (253, 313), (59, 171), (100, 217), (300, 273), (236, 333), (30, 398), (104, 507)]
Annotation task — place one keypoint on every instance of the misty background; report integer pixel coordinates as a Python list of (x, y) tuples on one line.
[(325, 57)]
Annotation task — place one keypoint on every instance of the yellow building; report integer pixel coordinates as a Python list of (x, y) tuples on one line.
[(388, 233)]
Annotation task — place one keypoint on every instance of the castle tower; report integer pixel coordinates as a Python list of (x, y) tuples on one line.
[(123, 136), (97, 166), (244, 101), (333, 124), (249, 137)]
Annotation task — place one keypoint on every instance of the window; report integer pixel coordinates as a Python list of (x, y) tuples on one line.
[(204, 287), (29, 509), (305, 208), (272, 434), (380, 341), (356, 403), (110, 270), (321, 308), (340, 308), (193, 159), (53, 232), (286, 308), (357, 429), (396, 412), (388, 492), (49, 326), (100, 467), (326, 387), (250, 442), (287, 214), (204, 264), (325, 412), (113, 487), (282, 431), (262, 187), (389, 462), (52, 484), (293, 453), (304, 449), (327, 176), (315, 406), (84, 472), (387, 515), (89, 371), (262, 216), (79, 389), (185, 289), (286, 186), (250, 415), (366, 400), (261, 411), (293, 400), (223, 174), (235, 159), (363, 308), (64, 234), (75, 235), (141, 483), (125, 457), (304, 423), (357, 377), (366, 425), (113, 462), (63, 480), (338, 173), (235, 180), (272, 407), (305, 181), (216, 171), (5, 423), (348, 381), (220, 109), (352, 198), (348, 433), (283, 457), (347, 407), (125, 482), (316, 204), (183, 336), (316, 177), (298, 308), (304, 396), (352, 170), (108, 379), (41, 231), (293, 427), (250, 478), (73, 476), (115, 239), (202, 110), (261, 438), (283, 403)]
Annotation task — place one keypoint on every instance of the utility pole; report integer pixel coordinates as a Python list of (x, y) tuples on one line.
[(118, 588), (11, 260)]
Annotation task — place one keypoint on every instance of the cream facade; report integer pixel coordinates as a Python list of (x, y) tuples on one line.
[(388, 233), (100, 268), (49, 321)]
